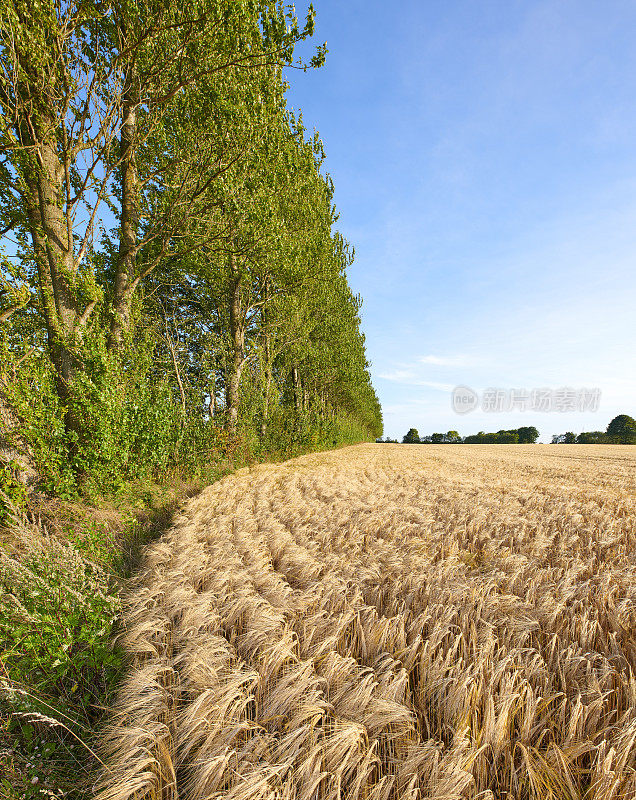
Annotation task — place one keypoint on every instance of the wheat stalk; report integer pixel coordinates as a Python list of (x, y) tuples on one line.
[(388, 623)]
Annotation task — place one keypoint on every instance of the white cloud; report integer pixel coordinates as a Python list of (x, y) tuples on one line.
[(407, 378), (441, 387), (398, 375), (446, 361)]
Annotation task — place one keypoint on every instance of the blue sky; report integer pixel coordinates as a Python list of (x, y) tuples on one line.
[(484, 159)]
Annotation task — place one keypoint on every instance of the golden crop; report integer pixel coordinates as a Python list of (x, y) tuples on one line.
[(389, 622)]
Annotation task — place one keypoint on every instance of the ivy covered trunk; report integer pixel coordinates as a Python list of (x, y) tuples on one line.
[(66, 302)]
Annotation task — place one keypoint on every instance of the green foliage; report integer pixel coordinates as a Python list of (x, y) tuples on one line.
[(13, 492), (501, 437), (527, 435), (622, 429), (130, 424), (33, 396), (592, 437), (411, 437), (234, 278), (56, 611)]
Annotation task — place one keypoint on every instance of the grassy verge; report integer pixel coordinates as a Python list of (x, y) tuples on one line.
[(62, 566)]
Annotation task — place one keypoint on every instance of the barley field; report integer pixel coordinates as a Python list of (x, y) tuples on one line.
[(384, 622)]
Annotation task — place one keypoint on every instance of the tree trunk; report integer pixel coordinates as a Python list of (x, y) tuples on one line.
[(125, 274), (55, 264), (296, 388), (67, 297), (267, 389), (212, 403), (237, 335), (177, 372), (267, 369)]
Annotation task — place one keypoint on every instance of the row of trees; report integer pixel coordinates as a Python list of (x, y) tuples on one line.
[(524, 435), (621, 430), (170, 276)]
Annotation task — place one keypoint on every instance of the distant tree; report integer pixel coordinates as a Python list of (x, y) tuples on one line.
[(564, 438), (507, 437), (528, 435), (592, 437), (622, 429), (452, 437), (437, 438), (412, 437)]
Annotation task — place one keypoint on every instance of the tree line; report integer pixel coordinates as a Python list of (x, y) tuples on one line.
[(171, 280), (621, 430), (524, 435)]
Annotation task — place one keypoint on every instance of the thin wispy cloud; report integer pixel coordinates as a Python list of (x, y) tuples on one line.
[(397, 375), (409, 379), (447, 361), (441, 387)]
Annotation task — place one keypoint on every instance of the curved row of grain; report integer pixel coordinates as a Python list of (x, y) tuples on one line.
[(389, 622)]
